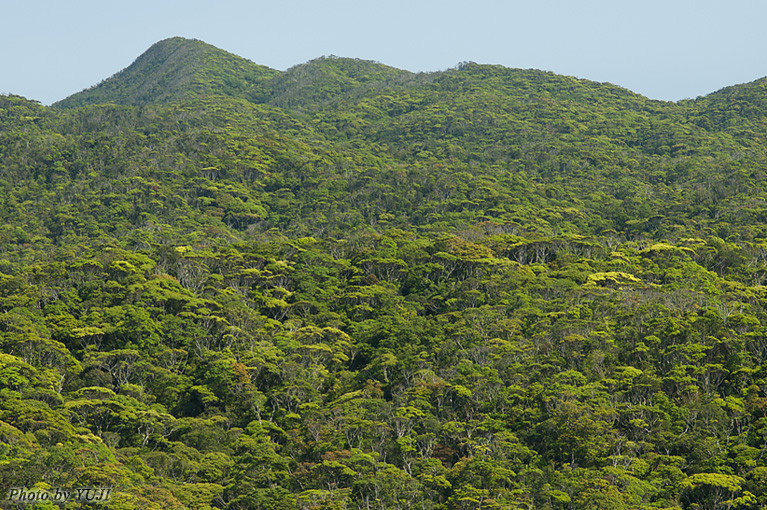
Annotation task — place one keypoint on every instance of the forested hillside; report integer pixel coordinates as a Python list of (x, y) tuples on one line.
[(348, 286)]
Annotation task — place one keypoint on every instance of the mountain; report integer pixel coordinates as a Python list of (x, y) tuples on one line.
[(178, 68), (346, 285), (172, 70)]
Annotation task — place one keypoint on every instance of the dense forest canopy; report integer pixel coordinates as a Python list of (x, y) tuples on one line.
[(348, 286)]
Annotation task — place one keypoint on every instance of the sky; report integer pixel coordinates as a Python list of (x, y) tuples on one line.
[(667, 50)]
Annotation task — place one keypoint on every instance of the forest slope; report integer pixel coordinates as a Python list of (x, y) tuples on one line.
[(350, 286)]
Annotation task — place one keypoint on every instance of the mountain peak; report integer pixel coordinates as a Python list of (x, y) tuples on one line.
[(173, 69), (325, 78)]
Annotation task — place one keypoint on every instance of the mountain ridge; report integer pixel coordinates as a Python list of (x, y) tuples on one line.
[(178, 68), (163, 60), (560, 129)]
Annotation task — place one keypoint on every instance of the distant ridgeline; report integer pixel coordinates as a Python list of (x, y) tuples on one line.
[(351, 286)]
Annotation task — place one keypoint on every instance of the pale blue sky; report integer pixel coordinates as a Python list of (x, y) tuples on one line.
[(668, 49)]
